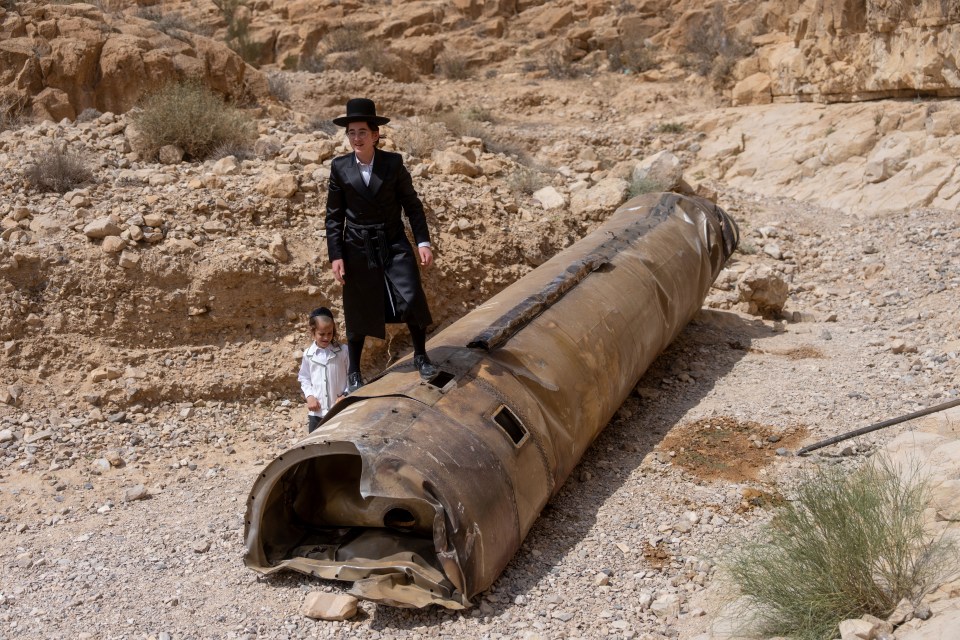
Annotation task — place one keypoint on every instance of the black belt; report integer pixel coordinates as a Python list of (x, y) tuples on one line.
[(375, 242)]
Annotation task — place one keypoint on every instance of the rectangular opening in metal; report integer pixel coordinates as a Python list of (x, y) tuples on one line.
[(510, 424), (441, 379)]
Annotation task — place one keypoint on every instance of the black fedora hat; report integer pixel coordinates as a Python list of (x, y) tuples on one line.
[(361, 110)]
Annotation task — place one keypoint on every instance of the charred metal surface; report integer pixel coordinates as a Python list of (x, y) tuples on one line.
[(421, 492)]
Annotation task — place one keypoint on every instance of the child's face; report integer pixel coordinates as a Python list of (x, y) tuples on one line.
[(322, 333)]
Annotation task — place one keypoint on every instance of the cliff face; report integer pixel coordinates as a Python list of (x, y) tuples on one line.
[(853, 50), (56, 60)]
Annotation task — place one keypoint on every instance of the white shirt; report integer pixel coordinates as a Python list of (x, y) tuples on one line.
[(323, 375)]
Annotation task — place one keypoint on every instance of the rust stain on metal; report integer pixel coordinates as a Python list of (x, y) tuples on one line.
[(421, 492)]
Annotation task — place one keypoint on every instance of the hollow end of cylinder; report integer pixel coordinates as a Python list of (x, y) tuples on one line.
[(315, 512)]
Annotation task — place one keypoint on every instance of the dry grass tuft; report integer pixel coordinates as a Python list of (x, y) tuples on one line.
[(57, 169), (420, 139)]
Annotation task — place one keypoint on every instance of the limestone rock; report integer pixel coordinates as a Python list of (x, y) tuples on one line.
[(105, 373), (663, 169), (329, 606), (452, 163), (278, 185), (170, 154), (549, 198), (102, 228), (278, 249), (754, 89), (226, 166), (601, 199), (113, 244), (764, 289)]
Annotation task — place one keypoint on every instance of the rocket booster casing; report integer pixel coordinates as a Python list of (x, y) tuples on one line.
[(421, 492)]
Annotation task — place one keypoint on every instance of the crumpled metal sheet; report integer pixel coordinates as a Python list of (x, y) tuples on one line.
[(420, 492)]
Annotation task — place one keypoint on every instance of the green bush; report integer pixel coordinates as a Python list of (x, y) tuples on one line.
[(670, 127), (640, 186), (57, 169), (848, 545), (192, 117)]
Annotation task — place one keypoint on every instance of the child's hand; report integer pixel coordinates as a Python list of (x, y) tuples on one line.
[(313, 404)]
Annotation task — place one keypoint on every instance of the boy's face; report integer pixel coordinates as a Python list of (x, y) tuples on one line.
[(323, 334), (361, 137)]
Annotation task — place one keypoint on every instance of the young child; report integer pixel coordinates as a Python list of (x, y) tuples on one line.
[(323, 370)]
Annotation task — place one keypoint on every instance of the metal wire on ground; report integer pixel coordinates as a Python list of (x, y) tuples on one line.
[(878, 425)]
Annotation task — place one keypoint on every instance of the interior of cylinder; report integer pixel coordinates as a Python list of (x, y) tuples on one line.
[(316, 511)]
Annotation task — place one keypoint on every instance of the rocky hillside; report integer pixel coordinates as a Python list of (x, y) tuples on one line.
[(57, 59)]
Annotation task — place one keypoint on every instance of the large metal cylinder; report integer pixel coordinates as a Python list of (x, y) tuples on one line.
[(421, 492)]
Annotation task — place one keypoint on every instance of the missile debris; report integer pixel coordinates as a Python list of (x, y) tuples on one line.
[(421, 492)]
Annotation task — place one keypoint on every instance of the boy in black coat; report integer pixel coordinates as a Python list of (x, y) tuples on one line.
[(369, 250)]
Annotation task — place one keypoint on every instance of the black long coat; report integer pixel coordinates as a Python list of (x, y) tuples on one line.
[(363, 220)]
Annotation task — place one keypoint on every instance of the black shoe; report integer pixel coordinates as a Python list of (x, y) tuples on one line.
[(426, 368), (354, 381)]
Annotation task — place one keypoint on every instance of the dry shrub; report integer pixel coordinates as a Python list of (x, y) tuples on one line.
[(714, 49), (324, 125), (343, 39), (192, 117), (631, 57), (507, 147), (279, 86), (12, 114), (559, 66), (420, 139), (480, 114), (313, 63), (57, 169), (237, 16), (452, 65), (525, 180), (459, 125), (88, 115), (375, 59), (172, 23)]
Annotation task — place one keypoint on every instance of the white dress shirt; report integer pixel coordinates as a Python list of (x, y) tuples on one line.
[(323, 375)]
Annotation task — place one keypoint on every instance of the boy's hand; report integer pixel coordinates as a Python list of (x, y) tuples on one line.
[(313, 404), (426, 256)]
